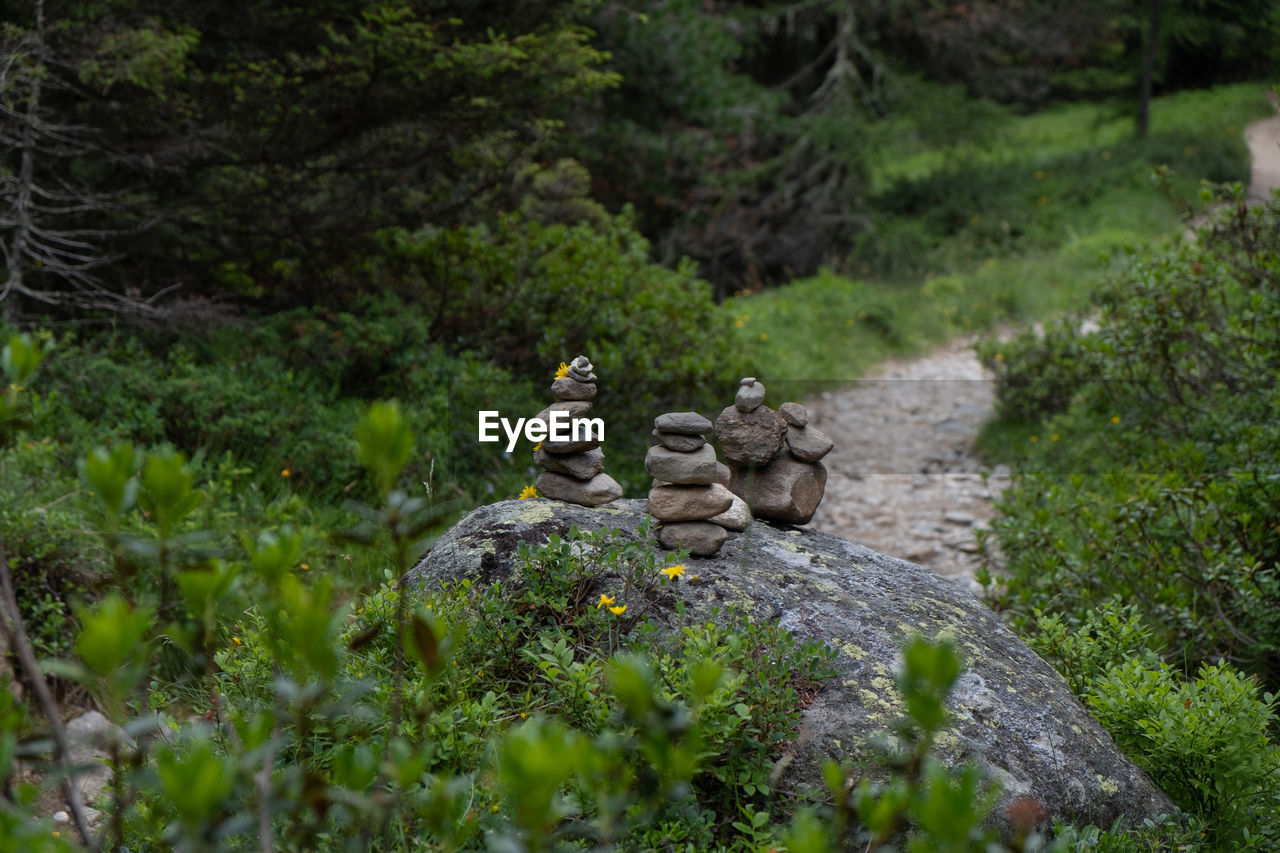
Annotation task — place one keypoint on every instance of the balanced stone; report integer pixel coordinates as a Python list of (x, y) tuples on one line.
[(808, 444), (699, 538), (689, 503), (683, 423), (723, 475), (696, 468), (750, 395), (750, 438), (735, 518), (678, 442), (565, 388), (572, 408), (600, 489), (581, 466), (581, 370), (794, 414), (580, 445), (785, 490)]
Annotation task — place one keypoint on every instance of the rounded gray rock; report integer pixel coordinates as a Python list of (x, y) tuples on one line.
[(580, 466), (699, 538), (750, 438), (808, 444), (689, 503), (682, 423), (750, 396), (1010, 712), (735, 518), (697, 468), (677, 442), (600, 489), (565, 388), (785, 490), (794, 414)]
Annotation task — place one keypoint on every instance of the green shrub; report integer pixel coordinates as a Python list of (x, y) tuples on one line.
[(1178, 386)]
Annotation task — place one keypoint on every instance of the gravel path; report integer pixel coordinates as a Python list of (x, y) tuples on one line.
[(902, 478)]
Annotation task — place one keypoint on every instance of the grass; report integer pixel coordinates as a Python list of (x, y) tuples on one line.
[(1007, 230)]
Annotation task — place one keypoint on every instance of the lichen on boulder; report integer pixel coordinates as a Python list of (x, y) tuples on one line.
[(1011, 713)]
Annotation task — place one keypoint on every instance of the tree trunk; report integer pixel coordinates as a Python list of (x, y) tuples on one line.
[(1148, 69)]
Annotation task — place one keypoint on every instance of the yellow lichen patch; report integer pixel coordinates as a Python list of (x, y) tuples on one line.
[(1109, 787), (1011, 688), (789, 546), (855, 652), (883, 684), (535, 512), (947, 740), (870, 699)]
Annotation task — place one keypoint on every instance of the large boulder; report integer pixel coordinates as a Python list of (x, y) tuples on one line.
[(1011, 712)]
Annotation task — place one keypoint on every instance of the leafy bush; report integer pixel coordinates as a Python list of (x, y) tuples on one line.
[(1178, 386), (1205, 741)]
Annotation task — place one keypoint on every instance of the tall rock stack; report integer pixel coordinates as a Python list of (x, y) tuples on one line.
[(573, 470), (773, 456), (689, 496)]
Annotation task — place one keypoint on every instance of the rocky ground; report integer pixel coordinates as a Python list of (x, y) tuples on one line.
[(903, 478)]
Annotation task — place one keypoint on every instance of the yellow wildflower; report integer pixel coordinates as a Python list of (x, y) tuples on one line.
[(1043, 200), (1034, 439), (305, 567), (562, 370), (1115, 419), (236, 640), (693, 577), (1053, 437), (618, 611), (764, 336), (285, 473), (999, 356), (528, 492), (604, 599), (673, 572), (1039, 174), (523, 715), (494, 808), (537, 447)]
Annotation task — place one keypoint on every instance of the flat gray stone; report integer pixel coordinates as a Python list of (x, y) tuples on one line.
[(684, 423), (699, 538), (696, 469), (580, 466), (689, 503), (600, 489), (794, 414), (565, 388), (677, 442), (808, 444), (1010, 712)]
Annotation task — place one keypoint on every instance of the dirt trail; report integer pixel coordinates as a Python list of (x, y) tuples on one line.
[(902, 478)]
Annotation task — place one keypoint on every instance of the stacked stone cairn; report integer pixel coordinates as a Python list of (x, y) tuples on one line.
[(573, 471), (774, 457), (690, 494)]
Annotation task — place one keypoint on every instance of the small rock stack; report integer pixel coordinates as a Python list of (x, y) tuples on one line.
[(773, 456), (690, 495), (573, 471)]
